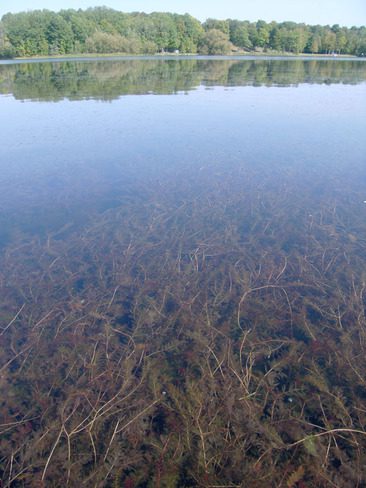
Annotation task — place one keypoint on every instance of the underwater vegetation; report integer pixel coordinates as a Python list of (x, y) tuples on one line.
[(209, 330)]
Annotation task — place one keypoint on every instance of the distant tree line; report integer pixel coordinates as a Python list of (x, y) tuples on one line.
[(104, 30)]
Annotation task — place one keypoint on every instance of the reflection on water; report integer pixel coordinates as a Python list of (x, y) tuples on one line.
[(108, 80), (182, 278)]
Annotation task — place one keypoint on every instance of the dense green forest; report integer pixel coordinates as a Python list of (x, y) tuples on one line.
[(104, 30)]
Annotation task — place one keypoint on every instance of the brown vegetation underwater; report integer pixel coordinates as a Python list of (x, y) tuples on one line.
[(208, 331)]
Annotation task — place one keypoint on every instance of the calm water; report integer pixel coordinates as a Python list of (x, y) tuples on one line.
[(182, 273), (75, 135)]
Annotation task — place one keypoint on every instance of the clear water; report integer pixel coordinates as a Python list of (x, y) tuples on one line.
[(75, 134), (182, 250)]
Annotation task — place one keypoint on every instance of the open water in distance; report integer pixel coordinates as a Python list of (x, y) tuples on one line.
[(182, 272), (74, 134)]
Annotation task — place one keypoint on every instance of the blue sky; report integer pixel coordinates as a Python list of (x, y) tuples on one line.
[(343, 12)]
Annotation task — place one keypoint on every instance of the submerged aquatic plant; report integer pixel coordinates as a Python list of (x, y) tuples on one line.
[(205, 335)]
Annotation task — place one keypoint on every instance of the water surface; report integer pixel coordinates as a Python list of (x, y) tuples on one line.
[(182, 259), (304, 115)]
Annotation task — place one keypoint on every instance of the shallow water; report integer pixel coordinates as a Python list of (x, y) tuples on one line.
[(188, 223)]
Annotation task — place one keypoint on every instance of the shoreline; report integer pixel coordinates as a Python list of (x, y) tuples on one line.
[(247, 55)]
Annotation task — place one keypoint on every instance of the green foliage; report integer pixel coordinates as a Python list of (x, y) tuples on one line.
[(102, 42), (239, 34), (221, 25), (6, 49), (104, 30), (59, 35), (215, 41)]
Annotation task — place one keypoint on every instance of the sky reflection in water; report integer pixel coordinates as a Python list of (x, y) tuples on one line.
[(304, 116)]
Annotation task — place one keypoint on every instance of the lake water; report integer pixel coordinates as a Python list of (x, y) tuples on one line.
[(182, 272)]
